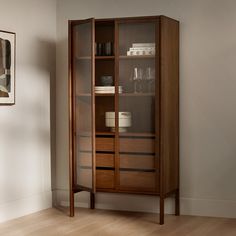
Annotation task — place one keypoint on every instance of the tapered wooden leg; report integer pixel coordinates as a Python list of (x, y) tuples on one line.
[(92, 200), (162, 210), (72, 204), (177, 205)]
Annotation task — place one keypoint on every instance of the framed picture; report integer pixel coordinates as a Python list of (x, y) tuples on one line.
[(7, 67)]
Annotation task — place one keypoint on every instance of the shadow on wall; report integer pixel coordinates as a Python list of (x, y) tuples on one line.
[(46, 51), (27, 138)]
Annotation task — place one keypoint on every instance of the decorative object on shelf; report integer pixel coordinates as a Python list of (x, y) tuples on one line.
[(104, 49), (7, 67), (106, 80), (108, 49), (149, 79), (141, 49), (136, 78), (124, 121), (107, 89), (143, 80)]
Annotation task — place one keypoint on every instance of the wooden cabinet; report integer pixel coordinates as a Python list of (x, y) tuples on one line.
[(124, 107)]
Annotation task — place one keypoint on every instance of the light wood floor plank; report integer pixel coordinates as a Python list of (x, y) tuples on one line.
[(55, 222)]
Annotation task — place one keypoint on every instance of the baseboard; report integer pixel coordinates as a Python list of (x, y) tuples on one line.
[(208, 207), (141, 203), (25, 206)]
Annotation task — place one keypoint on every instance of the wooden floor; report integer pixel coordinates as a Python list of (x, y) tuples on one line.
[(103, 223)]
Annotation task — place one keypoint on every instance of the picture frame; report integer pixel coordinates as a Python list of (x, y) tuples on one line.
[(7, 67)]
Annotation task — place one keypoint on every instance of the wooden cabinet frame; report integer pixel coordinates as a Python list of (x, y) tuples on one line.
[(166, 135)]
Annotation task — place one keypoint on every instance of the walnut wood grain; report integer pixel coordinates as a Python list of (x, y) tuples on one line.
[(105, 178)]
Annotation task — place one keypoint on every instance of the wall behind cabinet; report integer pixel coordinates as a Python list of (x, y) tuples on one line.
[(207, 101), (25, 146)]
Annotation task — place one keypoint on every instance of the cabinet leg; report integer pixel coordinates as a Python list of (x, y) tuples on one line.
[(177, 205), (162, 210), (92, 200), (72, 204)]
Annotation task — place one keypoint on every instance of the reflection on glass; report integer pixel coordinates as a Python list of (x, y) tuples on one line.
[(83, 85)]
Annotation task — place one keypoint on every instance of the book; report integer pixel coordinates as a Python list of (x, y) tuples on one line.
[(142, 48), (140, 52), (138, 45)]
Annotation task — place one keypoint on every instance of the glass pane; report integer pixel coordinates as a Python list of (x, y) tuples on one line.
[(82, 67), (136, 116)]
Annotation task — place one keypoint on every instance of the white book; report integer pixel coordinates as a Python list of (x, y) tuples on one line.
[(142, 48), (138, 45), (140, 53)]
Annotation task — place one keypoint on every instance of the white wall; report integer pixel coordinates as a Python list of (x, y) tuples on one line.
[(207, 101), (25, 163)]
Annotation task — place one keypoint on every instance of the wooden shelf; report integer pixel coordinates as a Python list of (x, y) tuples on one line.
[(137, 57), (104, 57), (96, 57), (104, 94), (120, 94), (105, 133), (136, 94), (113, 57), (127, 134)]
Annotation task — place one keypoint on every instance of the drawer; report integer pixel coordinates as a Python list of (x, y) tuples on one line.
[(139, 145), (138, 180), (105, 144), (104, 160), (105, 178), (137, 161)]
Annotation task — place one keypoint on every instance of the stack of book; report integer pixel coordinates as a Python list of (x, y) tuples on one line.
[(107, 89), (141, 49)]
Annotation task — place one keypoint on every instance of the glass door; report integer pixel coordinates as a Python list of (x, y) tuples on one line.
[(137, 105), (82, 43)]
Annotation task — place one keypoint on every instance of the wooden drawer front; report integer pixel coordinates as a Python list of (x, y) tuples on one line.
[(84, 159), (104, 160), (137, 180), (105, 144), (142, 145), (105, 178), (84, 177), (137, 161), (85, 144)]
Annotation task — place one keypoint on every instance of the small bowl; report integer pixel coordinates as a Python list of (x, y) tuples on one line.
[(106, 80)]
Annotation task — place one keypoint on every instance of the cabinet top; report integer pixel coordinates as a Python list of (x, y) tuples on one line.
[(128, 19)]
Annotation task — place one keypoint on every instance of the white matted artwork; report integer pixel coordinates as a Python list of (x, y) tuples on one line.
[(7, 67)]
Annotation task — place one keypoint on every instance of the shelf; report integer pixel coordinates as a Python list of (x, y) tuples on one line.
[(120, 94), (104, 57), (96, 94), (104, 94), (126, 134), (96, 57), (137, 57), (136, 94), (127, 94), (113, 57), (105, 134)]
